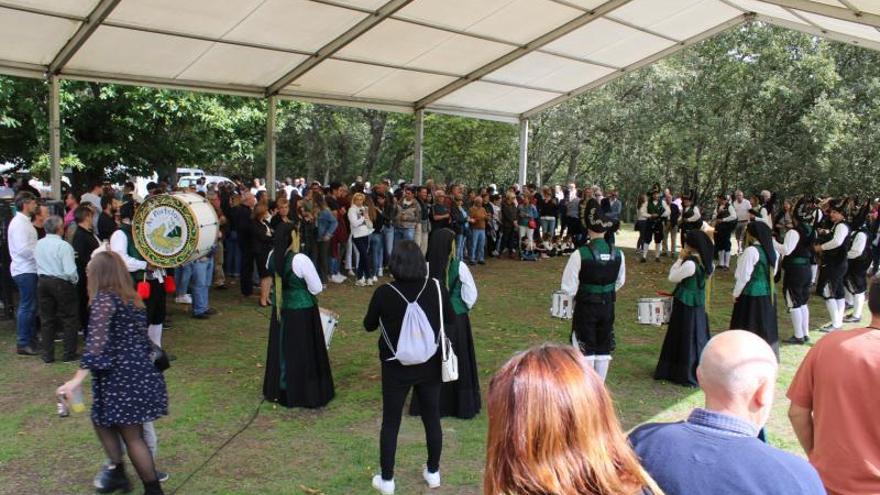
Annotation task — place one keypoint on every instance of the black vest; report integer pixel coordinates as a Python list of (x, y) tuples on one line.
[(804, 248), (866, 252), (837, 255), (595, 271)]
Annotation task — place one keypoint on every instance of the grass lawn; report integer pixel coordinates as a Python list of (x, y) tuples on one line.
[(215, 385)]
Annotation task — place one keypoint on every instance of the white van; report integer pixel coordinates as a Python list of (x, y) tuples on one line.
[(190, 171)]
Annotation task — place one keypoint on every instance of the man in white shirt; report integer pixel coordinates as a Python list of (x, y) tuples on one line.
[(832, 270), (742, 207), (22, 241), (93, 197)]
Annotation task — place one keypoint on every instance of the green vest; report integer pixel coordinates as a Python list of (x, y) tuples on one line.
[(137, 276), (692, 290), (599, 270), (294, 290), (655, 208), (454, 283), (759, 284)]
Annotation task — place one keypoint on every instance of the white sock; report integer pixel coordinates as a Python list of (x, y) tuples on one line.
[(848, 297), (601, 365), (831, 305), (858, 305), (841, 310), (814, 269), (155, 333), (726, 259), (805, 321), (797, 322)]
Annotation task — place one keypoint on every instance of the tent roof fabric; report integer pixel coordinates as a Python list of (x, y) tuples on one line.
[(494, 59)]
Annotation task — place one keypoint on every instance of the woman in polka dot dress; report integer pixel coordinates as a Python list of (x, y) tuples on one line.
[(127, 388)]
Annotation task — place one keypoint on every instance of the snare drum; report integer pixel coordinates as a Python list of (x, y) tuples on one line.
[(329, 320), (654, 310), (172, 229), (562, 305)]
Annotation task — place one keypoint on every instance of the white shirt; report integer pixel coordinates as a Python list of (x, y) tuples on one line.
[(841, 231), (742, 209), (745, 265), (765, 216), (570, 276), (468, 287), (858, 245), (357, 218), (681, 270), (94, 199), (731, 215), (22, 242), (119, 245), (643, 211), (791, 240), (695, 215), (303, 268)]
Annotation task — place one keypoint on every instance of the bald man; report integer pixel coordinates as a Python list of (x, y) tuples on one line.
[(716, 450)]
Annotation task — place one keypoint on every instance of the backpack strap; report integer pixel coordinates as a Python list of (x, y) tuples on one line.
[(407, 301), (442, 334)]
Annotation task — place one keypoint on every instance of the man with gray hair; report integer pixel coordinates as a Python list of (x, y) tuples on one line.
[(56, 290), (717, 450)]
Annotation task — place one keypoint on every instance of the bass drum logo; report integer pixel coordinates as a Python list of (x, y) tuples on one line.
[(164, 231)]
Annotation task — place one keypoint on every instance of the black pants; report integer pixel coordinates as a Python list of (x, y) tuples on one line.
[(395, 388), (247, 271), (323, 259), (362, 244), (59, 310)]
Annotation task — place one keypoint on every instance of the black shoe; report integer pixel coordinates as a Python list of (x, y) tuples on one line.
[(851, 319), (26, 351), (795, 341), (211, 311), (48, 360), (201, 316), (643, 260), (111, 479), (220, 287), (71, 358), (162, 476), (806, 339), (153, 488), (481, 262)]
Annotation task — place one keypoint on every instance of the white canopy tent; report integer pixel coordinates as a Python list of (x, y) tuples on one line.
[(504, 60)]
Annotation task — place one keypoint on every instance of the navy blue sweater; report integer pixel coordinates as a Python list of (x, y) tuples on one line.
[(688, 459)]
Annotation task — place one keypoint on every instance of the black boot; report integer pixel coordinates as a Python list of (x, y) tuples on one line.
[(153, 488), (112, 479)]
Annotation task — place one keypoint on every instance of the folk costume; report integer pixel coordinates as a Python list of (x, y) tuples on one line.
[(297, 366), (122, 243), (754, 309), (656, 212), (796, 251), (593, 275), (688, 331), (691, 219), (460, 398), (725, 223), (858, 260), (833, 267)]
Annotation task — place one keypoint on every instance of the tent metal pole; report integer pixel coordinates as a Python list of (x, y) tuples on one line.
[(270, 146), (55, 135), (523, 150), (418, 169)]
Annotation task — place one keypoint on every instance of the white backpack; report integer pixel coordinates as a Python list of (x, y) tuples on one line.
[(416, 343)]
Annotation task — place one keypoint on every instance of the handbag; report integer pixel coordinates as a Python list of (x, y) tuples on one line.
[(449, 363), (533, 224), (159, 357)]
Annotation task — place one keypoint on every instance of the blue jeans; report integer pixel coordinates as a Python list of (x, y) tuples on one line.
[(459, 246), (478, 245), (388, 233), (548, 226), (27, 308), (377, 248), (182, 278), (202, 271), (404, 234), (232, 255)]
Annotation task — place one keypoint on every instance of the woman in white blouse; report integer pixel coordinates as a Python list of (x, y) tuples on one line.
[(361, 228)]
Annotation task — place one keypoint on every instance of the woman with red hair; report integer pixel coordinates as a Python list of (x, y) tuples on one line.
[(552, 429)]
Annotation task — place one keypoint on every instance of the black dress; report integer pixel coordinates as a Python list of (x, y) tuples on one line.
[(297, 365), (754, 309), (688, 331)]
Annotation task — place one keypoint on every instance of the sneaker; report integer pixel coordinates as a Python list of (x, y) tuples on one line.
[(381, 273), (184, 299), (25, 351), (110, 479), (795, 341), (371, 281), (851, 319), (361, 282), (162, 476), (338, 278), (384, 487), (432, 479), (351, 273)]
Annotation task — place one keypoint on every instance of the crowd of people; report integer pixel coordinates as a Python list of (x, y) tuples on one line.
[(79, 270)]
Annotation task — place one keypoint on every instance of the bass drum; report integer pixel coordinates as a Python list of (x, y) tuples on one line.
[(172, 229)]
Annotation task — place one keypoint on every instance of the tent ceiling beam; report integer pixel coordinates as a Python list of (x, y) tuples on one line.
[(829, 11), (337, 44), (39, 11), (82, 34), (736, 21), (811, 29), (518, 53)]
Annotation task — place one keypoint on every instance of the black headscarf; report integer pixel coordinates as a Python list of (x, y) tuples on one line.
[(597, 221), (762, 233), (700, 242), (439, 249), (281, 242)]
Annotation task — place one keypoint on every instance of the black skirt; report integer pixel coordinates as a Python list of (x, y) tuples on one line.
[(297, 365), (722, 236), (796, 283), (685, 339), (856, 280), (461, 398), (757, 315)]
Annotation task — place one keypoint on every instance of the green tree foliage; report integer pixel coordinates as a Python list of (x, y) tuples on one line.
[(755, 108)]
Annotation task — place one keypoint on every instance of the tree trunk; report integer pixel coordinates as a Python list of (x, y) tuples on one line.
[(377, 121)]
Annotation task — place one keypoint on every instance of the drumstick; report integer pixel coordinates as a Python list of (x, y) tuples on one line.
[(664, 293)]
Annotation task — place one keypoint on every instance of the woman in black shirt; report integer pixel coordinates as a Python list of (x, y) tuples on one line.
[(387, 308)]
